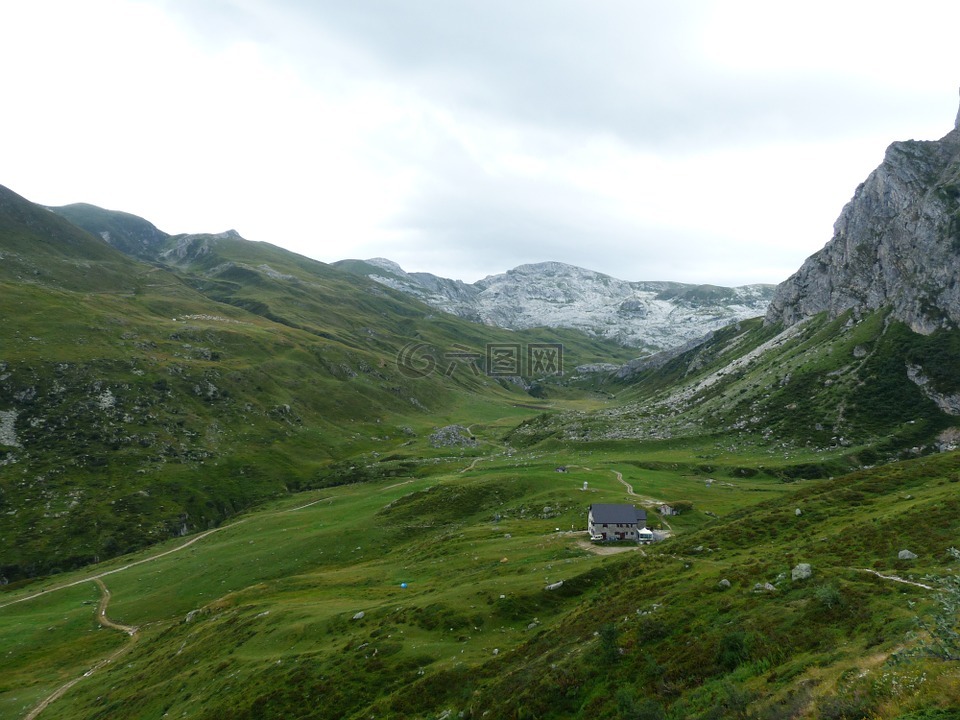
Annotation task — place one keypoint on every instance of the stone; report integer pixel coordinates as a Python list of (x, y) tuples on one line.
[(803, 571), (906, 555), (724, 584), (452, 436), (359, 615), (798, 512), (554, 586)]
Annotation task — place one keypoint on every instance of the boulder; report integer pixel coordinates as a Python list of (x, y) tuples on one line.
[(803, 571), (906, 555)]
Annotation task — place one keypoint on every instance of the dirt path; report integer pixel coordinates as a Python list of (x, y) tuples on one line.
[(472, 465), (104, 574), (645, 498), (165, 553), (102, 612), (405, 482), (301, 507), (104, 622), (61, 691), (895, 578), (608, 549)]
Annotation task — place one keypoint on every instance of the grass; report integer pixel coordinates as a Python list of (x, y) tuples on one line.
[(176, 410), (255, 394), (256, 616)]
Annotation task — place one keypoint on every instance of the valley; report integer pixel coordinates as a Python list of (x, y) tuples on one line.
[(410, 598), (238, 482)]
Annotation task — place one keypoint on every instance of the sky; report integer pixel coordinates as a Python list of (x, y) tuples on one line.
[(693, 141)]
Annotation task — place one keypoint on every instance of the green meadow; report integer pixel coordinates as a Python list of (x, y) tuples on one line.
[(407, 596), (289, 523)]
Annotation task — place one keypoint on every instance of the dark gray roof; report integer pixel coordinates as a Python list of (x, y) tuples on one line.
[(614, 513)]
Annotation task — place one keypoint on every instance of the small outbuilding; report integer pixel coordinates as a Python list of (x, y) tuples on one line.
[(608, 521)]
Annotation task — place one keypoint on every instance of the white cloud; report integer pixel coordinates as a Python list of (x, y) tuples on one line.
[(697, 141)]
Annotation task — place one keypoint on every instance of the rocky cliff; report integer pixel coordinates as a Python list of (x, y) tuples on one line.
[(896, 244)]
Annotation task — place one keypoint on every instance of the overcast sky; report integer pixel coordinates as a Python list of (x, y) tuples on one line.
[(706, 142)]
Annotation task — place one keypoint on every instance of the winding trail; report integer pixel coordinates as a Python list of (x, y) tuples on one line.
[(102, 618), (105, 621), (301, 507), (472, 465), (105, 596), (165, 553), (395, 485), (105, 573), (119, 652), (895, 578), (645, 498), (630, 491)]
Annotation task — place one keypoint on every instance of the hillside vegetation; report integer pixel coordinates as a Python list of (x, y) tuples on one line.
[(140, 402), (236, 482), (416, 597)]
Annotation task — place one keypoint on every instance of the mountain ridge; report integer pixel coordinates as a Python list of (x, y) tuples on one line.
[(651, 315)]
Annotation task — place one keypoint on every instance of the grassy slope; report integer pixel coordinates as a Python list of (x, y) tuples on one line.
[(256, 620), (131, 234), (152, 401), (817, 387), (629, 635)]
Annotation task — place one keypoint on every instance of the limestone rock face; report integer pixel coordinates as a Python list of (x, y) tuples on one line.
[(896, 244), (653, 315)]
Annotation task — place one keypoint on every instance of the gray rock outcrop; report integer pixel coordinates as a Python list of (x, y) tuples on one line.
[(906, 555), (896, 244), (802, 571), (651, 315), (452, 436)]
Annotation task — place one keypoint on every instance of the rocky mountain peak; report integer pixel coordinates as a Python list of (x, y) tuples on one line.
[(650, 315), (388, 265), (896, 244), (956, 123)]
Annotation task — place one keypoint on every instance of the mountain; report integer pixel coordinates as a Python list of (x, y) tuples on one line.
[(40, 249), (143, 400), (128, 233), (895, 245), (858, 350), (812, 571), (648, 315)]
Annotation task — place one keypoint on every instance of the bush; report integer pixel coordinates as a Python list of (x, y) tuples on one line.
[(608, 643), (828, 596)]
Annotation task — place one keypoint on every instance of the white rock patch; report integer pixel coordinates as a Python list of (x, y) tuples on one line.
[(8, 432), (106, 400)]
